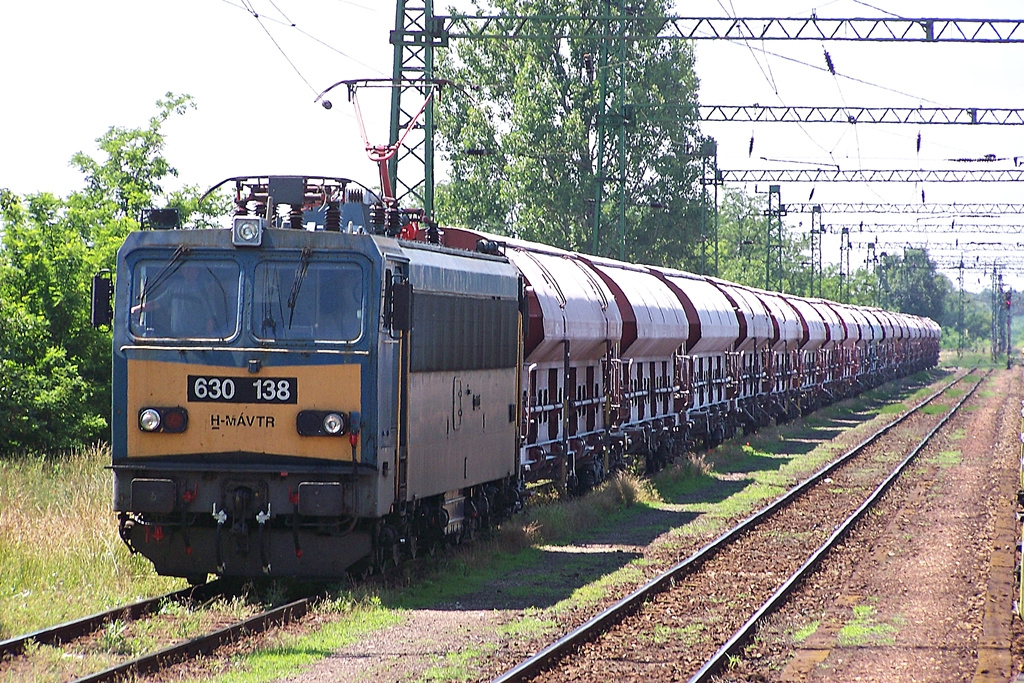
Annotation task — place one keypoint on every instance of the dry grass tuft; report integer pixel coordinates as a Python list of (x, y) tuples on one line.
[(60, 555), (560, 521), (692, 466)]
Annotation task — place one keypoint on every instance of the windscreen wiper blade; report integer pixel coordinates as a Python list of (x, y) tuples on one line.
[(149, 286), (300, 275)]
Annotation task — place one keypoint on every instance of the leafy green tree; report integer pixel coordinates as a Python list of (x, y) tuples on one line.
[(523, 149), (742, 235), (54, 367), (912, 284), (743, 244), (967, 319), (862, 288)]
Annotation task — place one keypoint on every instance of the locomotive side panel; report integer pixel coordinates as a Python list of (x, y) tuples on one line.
[(462, 424), (463, 371)]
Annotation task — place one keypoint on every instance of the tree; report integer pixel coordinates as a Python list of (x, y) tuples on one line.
[(743, 241), (912, 284), (54, 367), (742, 234), (523, 148)]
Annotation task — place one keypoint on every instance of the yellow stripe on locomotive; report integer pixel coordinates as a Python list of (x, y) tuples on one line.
[(273, 412)]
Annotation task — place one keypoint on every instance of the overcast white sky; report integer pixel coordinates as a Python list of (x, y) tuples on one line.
[(72, 69)]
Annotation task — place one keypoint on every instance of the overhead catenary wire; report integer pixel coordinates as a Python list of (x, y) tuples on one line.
[(247, 6), (770, 78)]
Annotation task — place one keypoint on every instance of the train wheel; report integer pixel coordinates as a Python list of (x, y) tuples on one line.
[(588, 480)]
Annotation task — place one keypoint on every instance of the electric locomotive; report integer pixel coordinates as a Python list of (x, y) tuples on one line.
[(273, 414)]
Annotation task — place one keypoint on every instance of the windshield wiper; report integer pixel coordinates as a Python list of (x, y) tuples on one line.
[(300, 275), (163, 275)]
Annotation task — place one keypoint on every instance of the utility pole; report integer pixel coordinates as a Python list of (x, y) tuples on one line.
[(773, 276), (415, 36), (844, 265), (708, 155), (994, 300), (960, 317), (1009, 330), (816, 230), (1000, 320)]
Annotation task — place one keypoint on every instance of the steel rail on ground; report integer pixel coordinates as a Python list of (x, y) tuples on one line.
[(200, 645), (603, 621), (738, 639), (70, 630)]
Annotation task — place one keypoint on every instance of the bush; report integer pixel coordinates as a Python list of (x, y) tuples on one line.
[(45, 404)]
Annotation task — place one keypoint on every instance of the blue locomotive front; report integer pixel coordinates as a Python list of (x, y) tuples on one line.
[(291, 400)]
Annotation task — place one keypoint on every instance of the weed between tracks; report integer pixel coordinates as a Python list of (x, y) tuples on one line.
[(865, 629)]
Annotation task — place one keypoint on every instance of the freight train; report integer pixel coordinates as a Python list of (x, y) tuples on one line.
[(330, 384)]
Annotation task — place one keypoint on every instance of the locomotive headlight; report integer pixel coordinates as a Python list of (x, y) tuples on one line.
[(321, 422), (170, 420), (149, 420), (247, 231), (333, 423)]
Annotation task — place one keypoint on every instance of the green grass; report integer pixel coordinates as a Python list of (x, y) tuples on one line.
[(457, 666), (686, 635), (531, 625), (595, 591), (865, 629), (805, 632), (58, 538), (971, 359), (346, 620), (679, 481)]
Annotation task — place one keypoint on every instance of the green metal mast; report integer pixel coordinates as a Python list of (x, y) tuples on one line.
[(415, 36), (773, 273)]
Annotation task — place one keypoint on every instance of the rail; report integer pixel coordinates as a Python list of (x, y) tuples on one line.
[(612, 615), (77, 628)]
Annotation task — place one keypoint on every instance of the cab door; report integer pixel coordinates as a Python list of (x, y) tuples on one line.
[(396, 324)]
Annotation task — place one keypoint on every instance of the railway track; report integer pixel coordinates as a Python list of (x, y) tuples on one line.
[(748, 570), (164, 657)]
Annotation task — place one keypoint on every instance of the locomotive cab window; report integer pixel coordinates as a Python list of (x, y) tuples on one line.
[(181, 298), (303, 300)]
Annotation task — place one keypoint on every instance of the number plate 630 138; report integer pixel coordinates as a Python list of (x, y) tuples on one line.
[(206, 389)]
